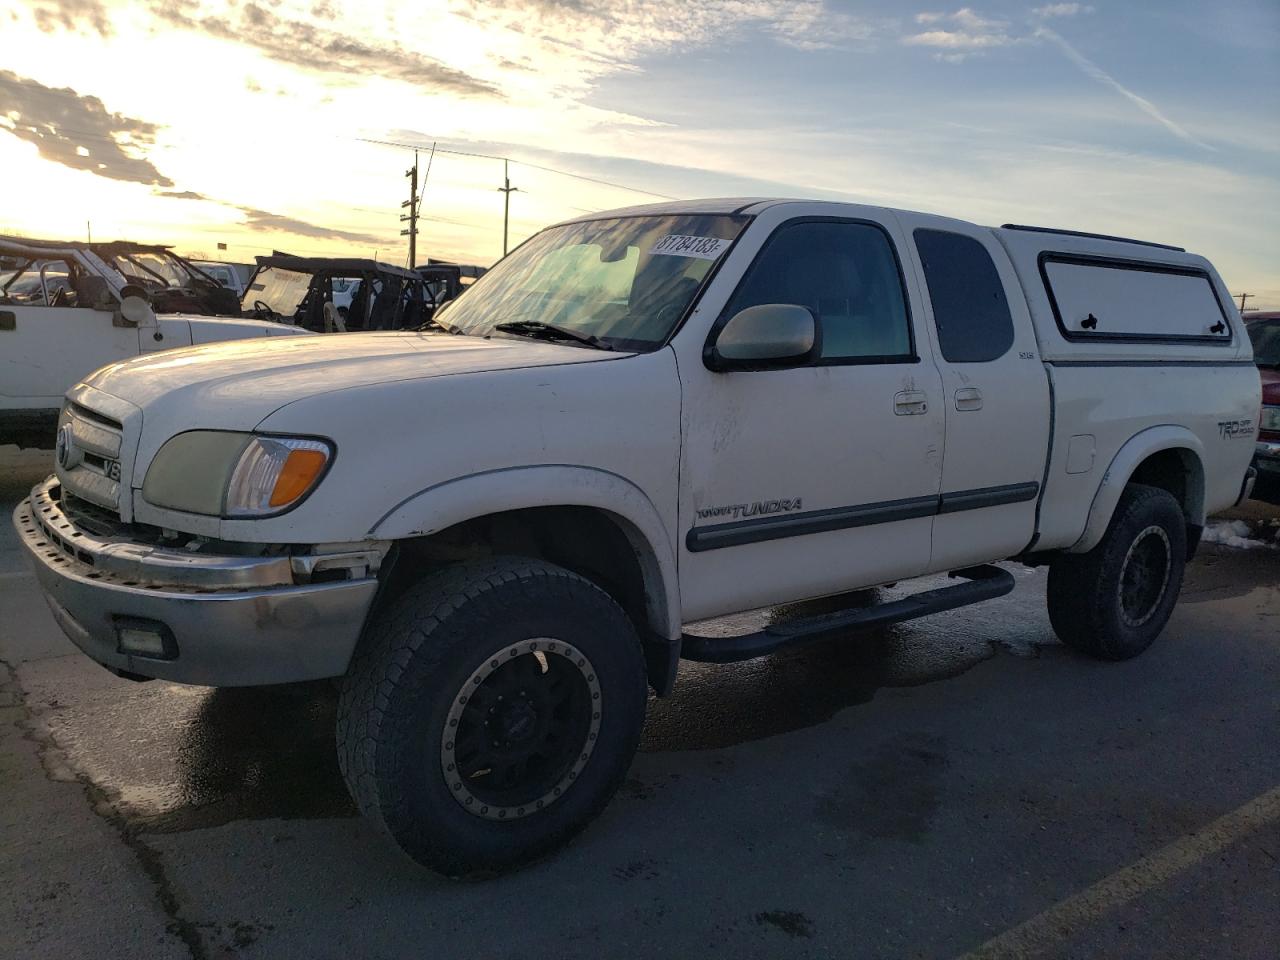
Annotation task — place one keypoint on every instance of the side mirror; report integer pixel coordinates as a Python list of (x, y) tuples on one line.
[(764, 337), (135, 312)]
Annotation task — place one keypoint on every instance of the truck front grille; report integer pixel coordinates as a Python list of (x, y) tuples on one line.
[(92, 442)]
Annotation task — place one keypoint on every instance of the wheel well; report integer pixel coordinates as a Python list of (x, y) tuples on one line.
[(585, 540), (1178, 471)]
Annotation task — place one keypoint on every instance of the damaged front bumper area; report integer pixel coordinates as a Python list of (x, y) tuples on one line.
[(212, 619)]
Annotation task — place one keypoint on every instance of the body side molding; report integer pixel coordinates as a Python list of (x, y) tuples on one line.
[(739, 532)]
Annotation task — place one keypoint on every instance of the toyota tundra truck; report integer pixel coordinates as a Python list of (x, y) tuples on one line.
[(493, 530)]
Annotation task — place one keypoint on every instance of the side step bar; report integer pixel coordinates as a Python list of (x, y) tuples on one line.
[(981, 583)]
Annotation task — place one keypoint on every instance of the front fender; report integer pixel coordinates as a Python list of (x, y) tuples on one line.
[(451, 502), (1123, 464)]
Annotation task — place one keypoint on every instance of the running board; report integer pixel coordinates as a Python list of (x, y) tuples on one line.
[(982, 583)]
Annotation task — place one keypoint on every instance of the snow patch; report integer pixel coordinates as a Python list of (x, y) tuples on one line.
[(1242, 535)]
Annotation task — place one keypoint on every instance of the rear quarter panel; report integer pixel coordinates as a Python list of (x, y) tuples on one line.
[(1109, 393), (1117, 404)]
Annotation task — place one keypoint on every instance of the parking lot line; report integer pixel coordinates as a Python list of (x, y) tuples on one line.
[(1066, 918)]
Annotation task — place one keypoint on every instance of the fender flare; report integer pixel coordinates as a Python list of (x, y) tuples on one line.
[(1135, 450), (451, 502)]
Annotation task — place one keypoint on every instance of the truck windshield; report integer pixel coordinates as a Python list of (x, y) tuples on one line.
[(281, 290), (624, 282), (1265, 335)]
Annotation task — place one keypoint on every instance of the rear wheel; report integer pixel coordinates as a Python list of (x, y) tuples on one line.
[(1112, 602), (491, 713)]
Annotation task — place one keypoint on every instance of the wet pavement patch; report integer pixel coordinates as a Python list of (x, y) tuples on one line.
[(892, 795), (174, 758), (1219, 572), (791, 922), (720, 705)]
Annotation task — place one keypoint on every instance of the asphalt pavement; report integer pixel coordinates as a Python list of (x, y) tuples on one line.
[(956, 786)]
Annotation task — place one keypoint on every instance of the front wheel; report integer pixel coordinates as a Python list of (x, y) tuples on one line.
[(491, 713), (1112, 602)]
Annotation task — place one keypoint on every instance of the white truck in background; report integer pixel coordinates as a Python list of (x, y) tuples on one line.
[(66, 310), (494, 530)]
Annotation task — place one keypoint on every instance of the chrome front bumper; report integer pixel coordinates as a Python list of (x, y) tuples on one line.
[(228, 621)]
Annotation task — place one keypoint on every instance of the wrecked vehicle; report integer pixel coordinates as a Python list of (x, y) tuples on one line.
[(65, 310), (173, 283), (446, 281), (495, 529), (1265, 333), (336, 294)]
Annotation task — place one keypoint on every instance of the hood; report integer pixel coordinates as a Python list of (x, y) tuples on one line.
[(235, 384)]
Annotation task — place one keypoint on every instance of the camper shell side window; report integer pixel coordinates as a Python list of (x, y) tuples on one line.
[(1111, 299)]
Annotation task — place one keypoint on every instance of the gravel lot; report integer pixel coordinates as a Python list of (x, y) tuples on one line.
[(953, 785)]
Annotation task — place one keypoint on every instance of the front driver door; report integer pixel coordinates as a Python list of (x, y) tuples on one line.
[(809, 481)]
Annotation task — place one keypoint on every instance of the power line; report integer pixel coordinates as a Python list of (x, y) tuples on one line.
[(526, 163)]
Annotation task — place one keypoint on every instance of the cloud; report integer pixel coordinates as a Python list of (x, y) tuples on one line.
[(812, 25), (609, 35), (78, 131), (961, 34), (1092, 70), (1050, 10), (51, 15), (322, 47), (264, 220), (181, 195)]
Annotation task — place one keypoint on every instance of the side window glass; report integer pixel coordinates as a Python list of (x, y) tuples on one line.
[(970, 308), (39, 283), (846, 274)]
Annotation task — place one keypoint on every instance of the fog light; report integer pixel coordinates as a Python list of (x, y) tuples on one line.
[(136, 637)]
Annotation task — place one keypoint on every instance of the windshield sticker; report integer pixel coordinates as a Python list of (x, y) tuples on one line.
[(679, 245)]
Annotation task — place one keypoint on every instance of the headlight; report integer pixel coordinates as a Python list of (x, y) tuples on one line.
[(219, 473), (1270, 419)]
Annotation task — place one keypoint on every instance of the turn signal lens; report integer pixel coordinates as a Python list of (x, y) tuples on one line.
[(300, 470), (274, 472)]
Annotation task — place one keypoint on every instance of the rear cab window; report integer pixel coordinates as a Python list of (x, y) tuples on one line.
[(970, 306)]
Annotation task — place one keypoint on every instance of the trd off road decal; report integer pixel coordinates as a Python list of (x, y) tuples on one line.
[(1236, 430), (740, 511)]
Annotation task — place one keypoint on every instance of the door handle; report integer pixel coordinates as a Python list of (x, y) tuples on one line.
[(968, 398), (910, 403), (8, 320)]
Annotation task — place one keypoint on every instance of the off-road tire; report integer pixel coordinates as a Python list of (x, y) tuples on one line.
[(415, 661), (1094, 605)]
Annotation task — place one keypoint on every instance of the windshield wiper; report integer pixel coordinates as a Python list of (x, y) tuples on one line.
[(549, 331), (433, 323)]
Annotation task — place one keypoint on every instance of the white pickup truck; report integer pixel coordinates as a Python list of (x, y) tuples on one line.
[(63, 314), (494, 529)]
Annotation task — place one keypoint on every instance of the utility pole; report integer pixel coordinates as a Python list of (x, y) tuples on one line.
[(412, 204), (506, 190), (1243, 298)]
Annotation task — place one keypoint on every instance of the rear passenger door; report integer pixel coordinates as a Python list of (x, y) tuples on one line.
[(995, 392)]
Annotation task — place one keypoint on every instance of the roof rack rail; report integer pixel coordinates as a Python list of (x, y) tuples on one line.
[(1091, 236)]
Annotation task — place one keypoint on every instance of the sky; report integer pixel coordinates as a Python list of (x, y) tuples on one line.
[(267, 124)]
